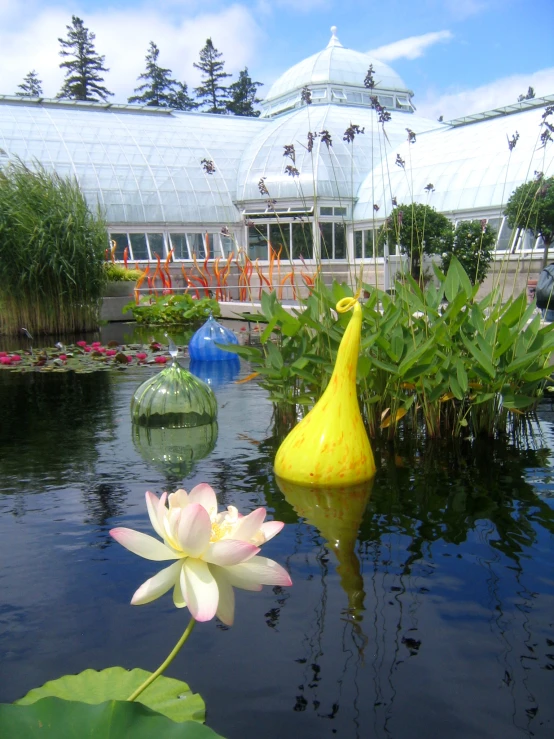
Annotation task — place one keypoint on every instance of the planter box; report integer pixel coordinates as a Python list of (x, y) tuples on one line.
[(122, 289)]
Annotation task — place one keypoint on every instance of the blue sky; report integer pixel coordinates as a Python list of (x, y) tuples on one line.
[(459, 56)]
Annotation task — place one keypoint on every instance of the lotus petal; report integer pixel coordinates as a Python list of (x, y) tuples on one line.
[(261, 570), (249, 525), (195, 530), (144, 545), (153, 507), (201, 589), (269, 529), (205, 496), (157, 585), (229, 552), (226, 605)]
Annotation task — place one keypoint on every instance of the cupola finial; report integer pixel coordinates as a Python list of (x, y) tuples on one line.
[(334, 39)]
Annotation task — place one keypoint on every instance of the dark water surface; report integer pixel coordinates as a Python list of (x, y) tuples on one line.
[(433, 617)]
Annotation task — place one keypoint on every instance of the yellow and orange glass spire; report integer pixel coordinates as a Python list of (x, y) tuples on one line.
[(330, 447)]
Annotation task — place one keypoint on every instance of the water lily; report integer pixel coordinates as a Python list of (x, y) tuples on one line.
[(160, 360), (213, 552)]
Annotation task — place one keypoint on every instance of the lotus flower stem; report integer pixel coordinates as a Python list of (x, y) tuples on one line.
[(165, 664)]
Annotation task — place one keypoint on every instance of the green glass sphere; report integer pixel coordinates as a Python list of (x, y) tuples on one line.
[(173, 399), (174, 451)]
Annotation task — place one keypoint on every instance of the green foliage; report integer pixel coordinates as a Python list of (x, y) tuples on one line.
[(531, 206), (172, 309), (473, 247), (31, 86), (436, 361), (53, 718), (83, 67), (418, 229), (159, 89), (118, 273), (211, 92), (172, 698), (243, 95), (51, 253)]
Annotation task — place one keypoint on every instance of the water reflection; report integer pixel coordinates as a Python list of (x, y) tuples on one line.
[(175, 451), (337, 514), (216, 373)]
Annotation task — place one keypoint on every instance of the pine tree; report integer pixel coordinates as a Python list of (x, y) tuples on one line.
[(181, 100), (243, 95), (82, 77), (158, 86), (31, 86), (211, 92)]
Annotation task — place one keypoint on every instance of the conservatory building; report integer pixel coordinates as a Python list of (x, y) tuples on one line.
[(338, 143)]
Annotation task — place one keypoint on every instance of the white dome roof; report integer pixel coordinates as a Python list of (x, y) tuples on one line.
[(335, 65)]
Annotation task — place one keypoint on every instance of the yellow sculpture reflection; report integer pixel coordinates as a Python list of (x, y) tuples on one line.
[(330, 445), (337, 513)]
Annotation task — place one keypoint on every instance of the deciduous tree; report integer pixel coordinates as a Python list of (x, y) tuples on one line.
[(531, 206)]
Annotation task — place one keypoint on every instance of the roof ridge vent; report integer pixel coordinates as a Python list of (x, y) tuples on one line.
[(334, 41)]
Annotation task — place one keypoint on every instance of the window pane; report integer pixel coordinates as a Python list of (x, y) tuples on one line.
[(358, 240), (212, 242), (121, 244), (179, 244), (228, 245), (340, 241), (325, 211), (504, 237), (340, 211), (326, 233), (196, 245), (138, 246), (279, 238), (156, 243), (302, 241), (257, 242)]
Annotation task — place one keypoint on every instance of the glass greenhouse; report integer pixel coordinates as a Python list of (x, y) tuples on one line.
[(313, 180)]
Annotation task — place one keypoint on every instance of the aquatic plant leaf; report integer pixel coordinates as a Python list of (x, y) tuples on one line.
[(172, 698), (55, 718)]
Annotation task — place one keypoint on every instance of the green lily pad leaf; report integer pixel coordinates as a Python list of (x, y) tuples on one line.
[(172, 698), (54, 718)]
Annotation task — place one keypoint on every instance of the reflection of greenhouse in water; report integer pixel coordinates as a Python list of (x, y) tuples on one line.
[(143, 165)]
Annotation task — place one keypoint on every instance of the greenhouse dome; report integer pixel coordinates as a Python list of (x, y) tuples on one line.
[(336, 75)]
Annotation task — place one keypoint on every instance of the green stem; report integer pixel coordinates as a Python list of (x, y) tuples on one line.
[(164, 664)]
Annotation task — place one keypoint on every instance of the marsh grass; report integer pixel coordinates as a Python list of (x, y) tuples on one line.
[(51, 253)]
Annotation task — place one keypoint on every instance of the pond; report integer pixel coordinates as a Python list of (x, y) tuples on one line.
[(434, 615)]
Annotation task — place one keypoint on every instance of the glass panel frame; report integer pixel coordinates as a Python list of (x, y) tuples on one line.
[(180, 247), (122, 243)]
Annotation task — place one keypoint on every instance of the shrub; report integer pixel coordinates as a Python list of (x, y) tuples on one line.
[(119, 273), (473, 246), (51, 253), (171, 310)]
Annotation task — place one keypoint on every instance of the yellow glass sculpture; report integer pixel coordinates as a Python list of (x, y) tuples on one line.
[(329, 447)]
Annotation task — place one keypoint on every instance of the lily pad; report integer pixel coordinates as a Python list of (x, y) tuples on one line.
[(54, 718), (172, 698)]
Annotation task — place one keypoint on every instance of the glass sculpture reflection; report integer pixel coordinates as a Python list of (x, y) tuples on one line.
[(202, 346), (173, 399), (174, 451), (215, 373), (337, 513)]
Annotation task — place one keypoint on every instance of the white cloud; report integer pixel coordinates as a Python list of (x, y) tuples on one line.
[(410, 48), (31, 42), (495, 94)]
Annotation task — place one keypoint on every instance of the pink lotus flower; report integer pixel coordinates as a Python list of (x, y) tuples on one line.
[(81, 343), (111, 352), (5, 360), (15, 358), (63, 357), (141, 356), (96, 344), (160, 360), (214, 552), (87, 349), (3, 354)]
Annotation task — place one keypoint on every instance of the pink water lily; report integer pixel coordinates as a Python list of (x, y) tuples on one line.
[(213, 552)]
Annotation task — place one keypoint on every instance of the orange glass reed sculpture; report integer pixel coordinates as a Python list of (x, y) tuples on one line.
[(330, 447)]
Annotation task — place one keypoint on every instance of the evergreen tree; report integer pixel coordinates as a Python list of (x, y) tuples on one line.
[(181, 100), (158, 86), (211, 92), (83, 67), (31, 86), (243, 95)]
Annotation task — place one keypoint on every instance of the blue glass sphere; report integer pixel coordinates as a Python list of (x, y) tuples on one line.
[(216, 374), (203, 347)]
